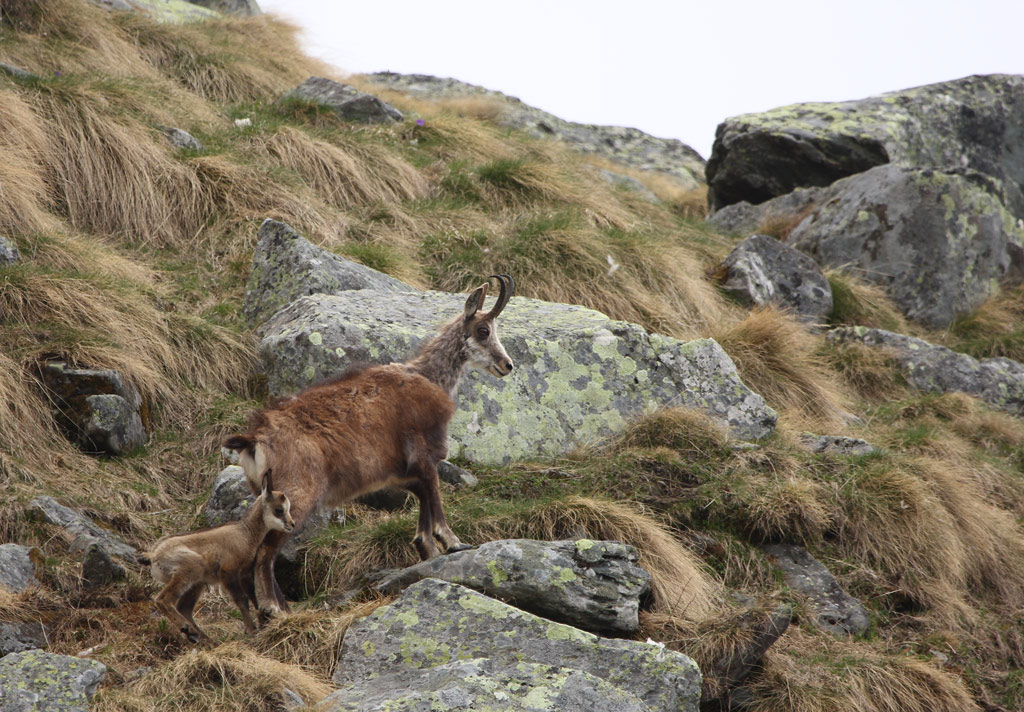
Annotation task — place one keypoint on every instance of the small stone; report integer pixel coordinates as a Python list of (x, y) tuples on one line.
[(17, 572), (8, 252), (113, 427), (17, 72), (81, 531), (183, 139), (837, 445), (455, 475), (98, 569)]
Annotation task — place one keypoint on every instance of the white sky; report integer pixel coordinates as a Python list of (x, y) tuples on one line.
[(672, 69)]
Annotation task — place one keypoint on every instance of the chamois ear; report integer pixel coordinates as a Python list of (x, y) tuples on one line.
[(476, 301), (268, 484)]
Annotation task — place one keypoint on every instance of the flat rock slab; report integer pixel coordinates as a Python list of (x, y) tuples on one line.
[(82, 531), (594, 585), (999, 382), (435, 623), (17, 572), (976, 122), (346, 101), (287, 266), (939, 243), (761, 270), (19, 637), (579, 375), (837, 445), (36, 681), (486, 685), (835, 610)]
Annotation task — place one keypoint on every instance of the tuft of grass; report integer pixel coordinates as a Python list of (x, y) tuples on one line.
[(780, 360), (856, 303), (995, 329)]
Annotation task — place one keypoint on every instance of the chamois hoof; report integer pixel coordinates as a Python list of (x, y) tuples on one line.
[(266, 615)]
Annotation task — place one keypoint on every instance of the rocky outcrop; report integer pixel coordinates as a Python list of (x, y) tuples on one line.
[(893, 225), (346, 101), (594, 585), (762, 271), (35, 680), (745, 218), (976, 123), (17, 572), (579, 375), (631, 147), (407, 655), (287, 266), (81, 531), (835, 610), (999, 382), (96, 408)]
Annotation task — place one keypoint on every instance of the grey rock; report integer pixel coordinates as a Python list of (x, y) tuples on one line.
[(594, 585), (98, 569), (485, 684), (8, 252), (17, 572), (579, 375), (346, 101), (19, 637), (629, 183), (744, 218), (16, 72), (81, 530), (835, 610), (762, 271), (434, 624), (999, 382), (245, 8), (629, 146), (455, 475), (287, 266), (118, 5), (34, 681), (837, 445), (113, 426), (292, 700), (111, 422), (976, 122), (894, 225), (169, 11), (182, 139), (735, 663)]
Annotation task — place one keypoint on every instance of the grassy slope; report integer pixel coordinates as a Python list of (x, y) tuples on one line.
[(135, 257)]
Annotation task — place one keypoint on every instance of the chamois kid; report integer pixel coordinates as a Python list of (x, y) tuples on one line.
[(370, 428), (187, 563)]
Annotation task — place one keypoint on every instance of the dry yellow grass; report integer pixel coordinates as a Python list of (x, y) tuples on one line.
[(857, 303), (779, 359)]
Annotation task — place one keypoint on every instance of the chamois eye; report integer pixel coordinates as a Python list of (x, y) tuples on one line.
[(483, 332), (279, 512)]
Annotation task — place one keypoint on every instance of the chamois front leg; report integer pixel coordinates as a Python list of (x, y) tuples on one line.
[(236, 588), (271, 601), (424, 540), (441, 530)]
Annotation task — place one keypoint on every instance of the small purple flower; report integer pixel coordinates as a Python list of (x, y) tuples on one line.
[(57, 73), (421, 122)]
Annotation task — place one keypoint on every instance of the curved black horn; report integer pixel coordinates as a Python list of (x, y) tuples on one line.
[(507, 288)]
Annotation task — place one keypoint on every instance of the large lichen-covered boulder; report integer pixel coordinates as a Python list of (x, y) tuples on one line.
[(761, 271), (976, 122), (346, 101), (286, 266), (594, 585), (834, 609), (34, 681), (435, 623), (999, 382), (579, 375), (939, 243)]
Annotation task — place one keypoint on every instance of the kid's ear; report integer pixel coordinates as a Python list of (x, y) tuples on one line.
[(268, 483)]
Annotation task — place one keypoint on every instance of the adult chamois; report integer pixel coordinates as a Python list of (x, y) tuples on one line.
[(187, 563), (369, 428)]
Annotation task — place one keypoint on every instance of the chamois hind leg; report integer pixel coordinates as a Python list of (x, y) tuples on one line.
[(424, 540), (187, 603), (167, 603), (236, 588)]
